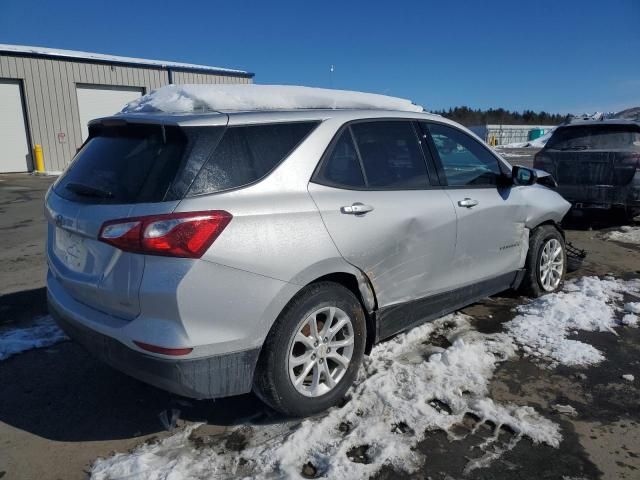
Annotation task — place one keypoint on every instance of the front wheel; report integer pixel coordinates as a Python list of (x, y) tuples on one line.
[(313, 351), (546, 263)]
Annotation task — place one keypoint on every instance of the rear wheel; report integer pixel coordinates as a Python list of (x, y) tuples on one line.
[(313, 351), (546, 263)]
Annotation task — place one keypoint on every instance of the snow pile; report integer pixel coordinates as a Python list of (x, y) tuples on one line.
[(407, 387), (543, 326), (630, 320), (565, 410), (197, 98), (626, 234), (628, 377), (42, 333), (512, 155)]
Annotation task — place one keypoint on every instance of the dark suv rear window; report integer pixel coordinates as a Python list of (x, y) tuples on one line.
[(124, 164), (248, 153), (595, 137)]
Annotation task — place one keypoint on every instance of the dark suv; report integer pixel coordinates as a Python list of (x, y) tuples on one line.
[(595, 164)]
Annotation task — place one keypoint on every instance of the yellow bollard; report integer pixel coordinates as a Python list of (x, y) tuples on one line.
[(37, 152)]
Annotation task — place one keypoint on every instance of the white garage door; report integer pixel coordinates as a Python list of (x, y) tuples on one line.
[(14, 149), (95, 102)]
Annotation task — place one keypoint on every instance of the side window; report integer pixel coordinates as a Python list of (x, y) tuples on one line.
[(464, 160), (342, 168), (246, 154), (391, 155)]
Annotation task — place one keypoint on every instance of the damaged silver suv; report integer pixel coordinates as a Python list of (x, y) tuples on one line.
[(212, 254)]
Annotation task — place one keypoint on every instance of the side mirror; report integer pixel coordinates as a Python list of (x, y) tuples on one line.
[(523, 176)]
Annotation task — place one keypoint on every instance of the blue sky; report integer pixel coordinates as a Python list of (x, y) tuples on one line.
[(559, 56)]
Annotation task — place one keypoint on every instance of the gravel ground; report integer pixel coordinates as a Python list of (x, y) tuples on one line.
[(60, 409)]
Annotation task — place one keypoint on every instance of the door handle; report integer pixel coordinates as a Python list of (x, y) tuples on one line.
[(468, 202), (356, 209)]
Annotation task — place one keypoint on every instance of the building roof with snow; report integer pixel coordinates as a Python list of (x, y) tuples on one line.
[(114, 59)]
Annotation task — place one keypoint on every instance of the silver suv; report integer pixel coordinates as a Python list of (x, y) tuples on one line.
[(218, 253)]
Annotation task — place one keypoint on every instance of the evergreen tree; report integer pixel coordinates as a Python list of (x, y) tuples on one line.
[(470, 117)]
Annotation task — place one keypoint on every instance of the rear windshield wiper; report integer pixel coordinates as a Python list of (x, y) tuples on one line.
[(88, 190)]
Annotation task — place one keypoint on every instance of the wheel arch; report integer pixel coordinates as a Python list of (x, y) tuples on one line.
[(360, 286), (551, 223), (352, 278)]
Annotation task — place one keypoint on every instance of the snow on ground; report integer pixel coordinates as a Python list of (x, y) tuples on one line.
[(398, 397), (630, 320), (626, 234), (195, 98), (543, 326), (43, 332), (506, 154)]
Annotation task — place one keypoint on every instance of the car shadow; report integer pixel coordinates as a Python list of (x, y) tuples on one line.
[(63, 393), (22, 306)]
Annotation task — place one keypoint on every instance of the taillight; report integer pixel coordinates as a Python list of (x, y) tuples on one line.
[(187, 234)]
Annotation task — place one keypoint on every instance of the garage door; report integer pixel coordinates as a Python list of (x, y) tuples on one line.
[(95, 102), (14, 149)]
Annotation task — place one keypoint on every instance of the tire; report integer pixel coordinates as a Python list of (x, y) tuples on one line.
[(274, 379), (533, 283)]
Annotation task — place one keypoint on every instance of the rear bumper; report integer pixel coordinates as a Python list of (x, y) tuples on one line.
[(204, 377), (601, 196)]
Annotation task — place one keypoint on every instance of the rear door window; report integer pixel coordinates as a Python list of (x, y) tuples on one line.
[(391, 155), (246, 154), (342, 168), (595, 137), (124, 164), (464, 160)]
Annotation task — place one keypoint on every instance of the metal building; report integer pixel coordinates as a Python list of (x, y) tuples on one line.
[(47, 96), (507, 134)]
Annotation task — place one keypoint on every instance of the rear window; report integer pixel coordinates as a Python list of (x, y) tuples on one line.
[(595, 137), (124, 164), (155, 163), (248, 153)]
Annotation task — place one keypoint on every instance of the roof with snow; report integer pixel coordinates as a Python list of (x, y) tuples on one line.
[(604, 121), (102, 58), (251, 97)]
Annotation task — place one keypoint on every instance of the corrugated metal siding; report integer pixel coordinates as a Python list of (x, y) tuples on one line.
[(180, 77), (51, 103)]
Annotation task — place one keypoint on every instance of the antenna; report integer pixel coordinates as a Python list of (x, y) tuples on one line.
[(331, 70)]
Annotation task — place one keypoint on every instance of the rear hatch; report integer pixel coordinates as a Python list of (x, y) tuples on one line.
[(123, 170), (581, 157)]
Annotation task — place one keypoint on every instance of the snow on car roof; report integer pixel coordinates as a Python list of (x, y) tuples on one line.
[(99, 57), (250, 97)]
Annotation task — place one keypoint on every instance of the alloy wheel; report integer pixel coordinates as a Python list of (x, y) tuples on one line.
[(320, 351), (551, 265)]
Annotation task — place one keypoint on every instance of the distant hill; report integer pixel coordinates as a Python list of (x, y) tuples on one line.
[(629, 114), (470, 117)]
